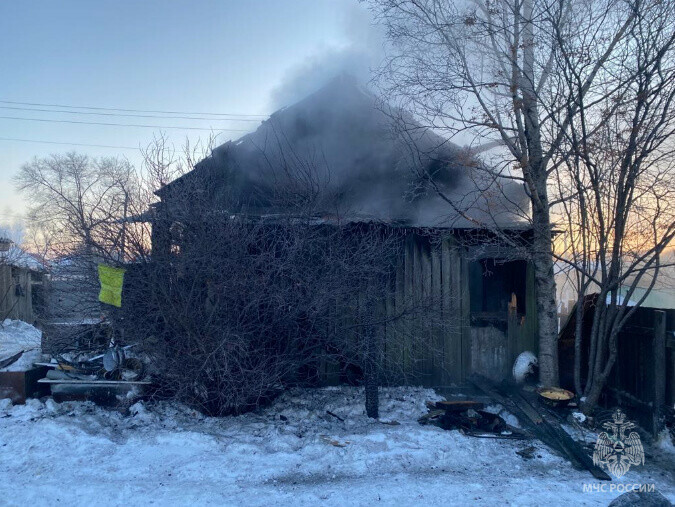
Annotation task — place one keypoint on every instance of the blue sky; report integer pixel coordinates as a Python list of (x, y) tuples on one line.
[(222, 56)]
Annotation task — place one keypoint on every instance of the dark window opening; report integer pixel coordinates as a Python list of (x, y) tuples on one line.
[(493, 281)]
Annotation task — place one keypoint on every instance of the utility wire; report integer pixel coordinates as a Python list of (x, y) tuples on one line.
[(130, 110), (69, 144), (126, 115), (119, 124)]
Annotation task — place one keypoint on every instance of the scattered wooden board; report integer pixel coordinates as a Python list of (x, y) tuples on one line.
[(10, 360), (570, 446), (542, 426), (459, 405), (433, 414)]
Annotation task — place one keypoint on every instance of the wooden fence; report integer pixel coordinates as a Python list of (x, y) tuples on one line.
[(643, 378), (21, 291)]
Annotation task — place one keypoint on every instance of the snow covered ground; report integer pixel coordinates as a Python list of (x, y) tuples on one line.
[(17, 336), (291, 453)]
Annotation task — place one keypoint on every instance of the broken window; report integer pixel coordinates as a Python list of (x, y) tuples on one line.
[(493, 281)]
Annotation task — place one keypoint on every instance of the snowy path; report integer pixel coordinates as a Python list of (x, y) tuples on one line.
[(79, 454)]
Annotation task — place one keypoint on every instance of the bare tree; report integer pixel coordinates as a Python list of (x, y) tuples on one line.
[(81, 198), (84, 211), (615, 176), (78, 217), (243, 307), (516, 75), (163, 162)]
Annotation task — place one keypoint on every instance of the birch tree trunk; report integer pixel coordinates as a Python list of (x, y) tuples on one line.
[(542, 260), (535, 173)]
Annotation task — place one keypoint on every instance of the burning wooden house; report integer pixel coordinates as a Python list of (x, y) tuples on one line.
[(336, 156)]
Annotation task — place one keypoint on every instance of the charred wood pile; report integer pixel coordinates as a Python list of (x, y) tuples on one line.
[(469, 417)]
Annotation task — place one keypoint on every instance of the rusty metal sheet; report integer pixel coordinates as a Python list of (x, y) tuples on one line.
[(20, 385)]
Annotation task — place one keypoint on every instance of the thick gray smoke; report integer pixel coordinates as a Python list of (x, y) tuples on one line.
[(361, 53), (338, 149), (332, 145)]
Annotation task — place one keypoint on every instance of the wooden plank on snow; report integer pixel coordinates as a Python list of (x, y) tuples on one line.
[(541, 426)]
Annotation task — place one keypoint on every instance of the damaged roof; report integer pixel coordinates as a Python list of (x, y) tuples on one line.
[(342, 150)]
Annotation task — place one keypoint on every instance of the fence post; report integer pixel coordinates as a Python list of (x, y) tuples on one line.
[(659, 355)]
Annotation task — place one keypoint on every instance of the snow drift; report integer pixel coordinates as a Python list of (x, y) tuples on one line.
[(17, 336)]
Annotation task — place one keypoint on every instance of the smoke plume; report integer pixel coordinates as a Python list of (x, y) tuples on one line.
[(357, 57)]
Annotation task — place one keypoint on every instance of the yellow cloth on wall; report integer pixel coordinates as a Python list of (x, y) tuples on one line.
[(112, 280)]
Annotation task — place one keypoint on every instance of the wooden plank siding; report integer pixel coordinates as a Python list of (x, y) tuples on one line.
[(435, 349), (16, 292), (424, 352), (639, 379)]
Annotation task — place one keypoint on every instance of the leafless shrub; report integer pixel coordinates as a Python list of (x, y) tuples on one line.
[(243, 306), (234, 305)]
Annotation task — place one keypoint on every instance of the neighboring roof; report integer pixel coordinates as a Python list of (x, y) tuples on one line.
[(662, 298), (362, 165), (18, 257)]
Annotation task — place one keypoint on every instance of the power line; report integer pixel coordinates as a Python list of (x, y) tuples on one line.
[(126, 115), (69, 144), (119, 124), (130, 110)]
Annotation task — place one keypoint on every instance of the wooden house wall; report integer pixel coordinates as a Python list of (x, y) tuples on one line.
[(444, 347), (17, 304), (428, 348)]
